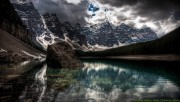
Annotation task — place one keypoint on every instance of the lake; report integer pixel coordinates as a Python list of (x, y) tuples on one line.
[(101, 80)]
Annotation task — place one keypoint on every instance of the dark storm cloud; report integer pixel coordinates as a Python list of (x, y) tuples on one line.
[(177, 15), (161, 15), (13, 1), (119, 2), (153, 9), (65, 11)]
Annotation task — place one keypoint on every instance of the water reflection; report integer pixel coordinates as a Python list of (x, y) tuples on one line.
[(98, 81), (41, 80), (17, 79), (11, 71), (36, 90), (115, 81), (105, 82)]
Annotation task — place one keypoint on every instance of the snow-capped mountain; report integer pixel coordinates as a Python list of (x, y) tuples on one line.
[(47, 29), (41, 35), (131, 35), (105, 35), (100, 35), (53, 24), (63, 30)]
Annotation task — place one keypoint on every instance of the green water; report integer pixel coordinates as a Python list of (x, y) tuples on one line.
[(99, 81)]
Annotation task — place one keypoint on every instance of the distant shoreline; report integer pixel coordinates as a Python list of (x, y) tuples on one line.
[(164, 57)]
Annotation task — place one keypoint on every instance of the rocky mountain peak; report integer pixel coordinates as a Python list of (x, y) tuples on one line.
[(124, 26), (78, 26), (96, 35), (67, 24)]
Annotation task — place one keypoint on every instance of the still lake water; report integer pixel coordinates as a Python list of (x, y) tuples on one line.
[(99, 81)]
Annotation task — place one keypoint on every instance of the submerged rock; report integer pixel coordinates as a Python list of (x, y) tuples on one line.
[(61, 55)]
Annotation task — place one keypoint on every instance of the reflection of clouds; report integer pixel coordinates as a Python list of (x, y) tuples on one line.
[(160, 89), (126, 85), (101, 66), (166, 89), (116, 95), (103, 82), (107, 75), (95, 95)]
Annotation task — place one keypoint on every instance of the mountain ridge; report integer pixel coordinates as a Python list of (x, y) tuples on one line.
[(105, 35), (51, 30), (164, 45)]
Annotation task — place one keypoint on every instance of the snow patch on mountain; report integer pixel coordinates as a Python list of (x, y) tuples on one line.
[(104, 36), (33, 56), (47, 29), (42, 38), (36, 24), (2, 50), (101, 47)]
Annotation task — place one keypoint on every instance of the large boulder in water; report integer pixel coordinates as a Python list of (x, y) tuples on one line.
[(61, 55)]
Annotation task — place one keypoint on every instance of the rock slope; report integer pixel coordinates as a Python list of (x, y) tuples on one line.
[(13, 50), (15, 40), (11, 22)]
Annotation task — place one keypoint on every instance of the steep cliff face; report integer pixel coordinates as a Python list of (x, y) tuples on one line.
[(15, 40), (10, 22), (47, 29), (41, 35)]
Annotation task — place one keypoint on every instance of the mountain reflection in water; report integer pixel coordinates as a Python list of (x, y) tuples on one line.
[(100, 81), (37, 88)]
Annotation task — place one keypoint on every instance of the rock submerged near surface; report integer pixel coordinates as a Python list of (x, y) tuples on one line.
[(61, 55)]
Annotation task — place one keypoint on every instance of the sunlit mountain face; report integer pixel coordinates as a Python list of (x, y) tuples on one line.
[(161, 16)]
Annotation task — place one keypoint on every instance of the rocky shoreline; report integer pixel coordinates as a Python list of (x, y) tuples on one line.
[(11, 57)]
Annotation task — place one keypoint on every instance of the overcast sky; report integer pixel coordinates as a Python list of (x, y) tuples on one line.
[(162, 16)]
